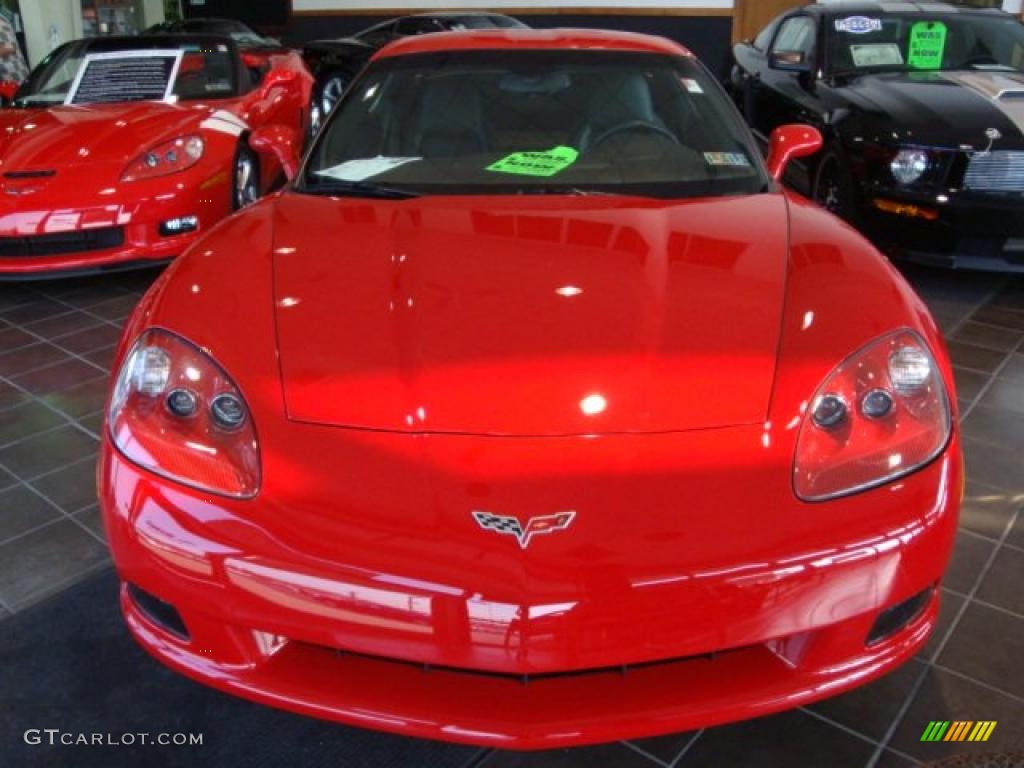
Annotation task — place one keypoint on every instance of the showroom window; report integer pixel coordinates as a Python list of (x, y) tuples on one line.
[(101, 18)]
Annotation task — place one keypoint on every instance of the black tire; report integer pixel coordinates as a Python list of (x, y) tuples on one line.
[(245, 187), (833, 188), (329, 90)]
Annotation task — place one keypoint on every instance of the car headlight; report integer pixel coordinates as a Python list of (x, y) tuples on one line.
[(881, 414), (176, 412), (909, 165), (170, 157)]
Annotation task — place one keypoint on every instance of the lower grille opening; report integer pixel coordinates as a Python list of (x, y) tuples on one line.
[(55, 244), (164, 615), (526, 679), (893, 619)]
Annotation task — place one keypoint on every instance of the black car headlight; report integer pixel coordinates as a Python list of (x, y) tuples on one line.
[(909, 165)]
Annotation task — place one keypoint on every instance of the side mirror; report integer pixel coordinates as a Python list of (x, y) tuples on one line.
[(280, 142), (788, 142), (789, 61)]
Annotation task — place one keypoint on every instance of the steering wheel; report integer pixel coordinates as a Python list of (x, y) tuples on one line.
[(633, 125)]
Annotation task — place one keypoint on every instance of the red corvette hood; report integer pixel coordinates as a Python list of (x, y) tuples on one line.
[(47, 139), (539, 316)]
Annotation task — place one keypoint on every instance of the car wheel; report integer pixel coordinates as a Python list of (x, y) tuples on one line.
[(331, 89), (833, 187), (246, 185)]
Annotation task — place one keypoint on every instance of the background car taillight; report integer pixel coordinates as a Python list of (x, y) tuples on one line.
[(177, 413), (882, 413), (170, 157)]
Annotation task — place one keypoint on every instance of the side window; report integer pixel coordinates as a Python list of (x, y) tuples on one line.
[(379, 36), (796, 34), (764, 39), (418, 25)]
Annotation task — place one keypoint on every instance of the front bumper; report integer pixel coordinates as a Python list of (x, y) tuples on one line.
[(971, 231), (69, 227), (578, 646)]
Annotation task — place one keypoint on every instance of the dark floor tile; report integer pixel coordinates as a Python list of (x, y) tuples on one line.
[(949, 607), (21, 510), (12, 338), (975, 358), (1011, 297), (25, 420), (71, 488), (29, 358), (90, 517), (33, 311), (665, 748), (97, 337), (11, 396), (7, 479), (1002, 584), (997, 425), (47, 451), (987, 511), (994, 465), (770, 742), (58, 326), (46, 561), (57, 378), (81, 399), (970, 554), (104, 358), (1016, 535), (988, 336), (871, 708), (969, 383), (945, 696), (609, 755), (115, 309), (889, 759), (1004, 317), (1005, 395), (15, 295), (93, 422), (988, 645), (89, 295), (1014, 368)]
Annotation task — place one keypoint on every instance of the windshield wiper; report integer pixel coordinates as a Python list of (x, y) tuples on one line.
[(357, 189), (539, 189)]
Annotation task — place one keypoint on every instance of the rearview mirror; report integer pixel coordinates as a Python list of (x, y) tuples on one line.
[(788, 142), (280, 142), (789, 61)]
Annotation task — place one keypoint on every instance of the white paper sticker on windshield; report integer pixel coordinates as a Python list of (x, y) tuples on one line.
[(365, 167), (858, 25), (691, 85), (878, 55), (145, 75), (732, 159)]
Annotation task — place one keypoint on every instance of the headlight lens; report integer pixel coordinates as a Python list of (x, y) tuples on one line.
[(881, 414), (909, 165), (170, 157), (175, 412)]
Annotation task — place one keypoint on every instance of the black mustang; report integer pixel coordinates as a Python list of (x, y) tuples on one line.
[(922, 107), (335, 62)]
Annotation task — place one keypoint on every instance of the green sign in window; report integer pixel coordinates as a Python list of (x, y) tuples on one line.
[(927, 44), (543, 163)]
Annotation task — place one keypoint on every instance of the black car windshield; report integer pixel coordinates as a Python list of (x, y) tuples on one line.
[(531, 121), (89, 72), (915, 42)]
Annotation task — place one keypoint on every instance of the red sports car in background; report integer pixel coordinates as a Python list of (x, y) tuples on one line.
[(535, 412), (122, 151)]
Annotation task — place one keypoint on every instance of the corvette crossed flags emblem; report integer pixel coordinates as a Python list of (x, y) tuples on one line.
[(535, 526)]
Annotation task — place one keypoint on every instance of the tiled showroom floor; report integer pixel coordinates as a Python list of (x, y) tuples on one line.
[(56, 341)]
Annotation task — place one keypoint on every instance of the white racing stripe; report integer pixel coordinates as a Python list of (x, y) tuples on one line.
[(1003, 90), (225, 122)]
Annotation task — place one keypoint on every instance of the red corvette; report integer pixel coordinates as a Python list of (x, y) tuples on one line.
[(535, 412), (121, 152)]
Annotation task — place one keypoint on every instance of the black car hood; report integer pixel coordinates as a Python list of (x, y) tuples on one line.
[(942, 109)]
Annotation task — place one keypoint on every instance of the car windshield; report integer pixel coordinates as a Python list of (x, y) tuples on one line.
[(104, 75), (483, 21), (914, 42), (530, 121)]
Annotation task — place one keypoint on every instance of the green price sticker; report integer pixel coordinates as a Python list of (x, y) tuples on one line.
[(543, 163), (927, 44)]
